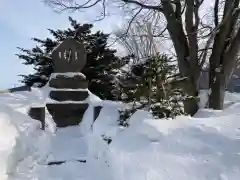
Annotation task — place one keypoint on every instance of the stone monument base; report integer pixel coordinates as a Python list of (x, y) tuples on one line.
[(38, 113), (70, 114)]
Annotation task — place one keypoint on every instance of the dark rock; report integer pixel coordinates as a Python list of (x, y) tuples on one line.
[(97, 111), (76, 82), (62, 162), (108, 140), (21, 88), (69, 56), (82, 161), (56, 163), (38, 113), (67, 114), (68, 95)]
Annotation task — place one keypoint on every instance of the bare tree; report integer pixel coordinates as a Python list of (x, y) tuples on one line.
[(195, 37), (138, 39)]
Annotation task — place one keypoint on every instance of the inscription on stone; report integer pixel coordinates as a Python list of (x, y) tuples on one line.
[(69, 56)]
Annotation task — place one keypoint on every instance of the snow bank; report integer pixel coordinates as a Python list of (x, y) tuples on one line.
[(229, 98), (107, 122), (203, 148), (19, 137), (21, 101), (8, 136), (104, 127), (67, 144)]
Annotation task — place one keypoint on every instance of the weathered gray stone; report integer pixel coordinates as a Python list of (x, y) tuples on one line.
[(76, 82), (78, 76), (69, 56), (67, 114), (97, 110), (38, 113), (69, 95), (20, 88)]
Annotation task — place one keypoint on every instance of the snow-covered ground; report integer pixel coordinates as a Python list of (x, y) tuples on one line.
[(204, 147)]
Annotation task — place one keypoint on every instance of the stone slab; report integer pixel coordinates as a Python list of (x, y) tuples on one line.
[(69, 95), (69, 56), (67, 114), (76, 82)]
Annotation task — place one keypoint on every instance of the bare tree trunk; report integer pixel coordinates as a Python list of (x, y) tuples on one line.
[(191, 103), (224, 54), (190, 88), (218, 86), (186, 52)]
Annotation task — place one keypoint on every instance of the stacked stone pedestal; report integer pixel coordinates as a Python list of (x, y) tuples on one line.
[(69, 94)]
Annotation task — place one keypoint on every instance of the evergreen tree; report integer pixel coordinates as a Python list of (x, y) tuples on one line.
[(101, 67), (149, 85)]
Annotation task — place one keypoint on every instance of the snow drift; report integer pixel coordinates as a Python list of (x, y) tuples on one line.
[(8, 140), (204, 147), (19, 138), (201, 148)]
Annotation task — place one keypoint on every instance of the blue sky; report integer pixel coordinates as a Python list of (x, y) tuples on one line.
[(20, 20)]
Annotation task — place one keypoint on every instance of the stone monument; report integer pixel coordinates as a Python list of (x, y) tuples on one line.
[(69, 85)]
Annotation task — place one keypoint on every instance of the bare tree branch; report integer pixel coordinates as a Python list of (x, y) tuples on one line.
[(128, 27), (91, 3), (144, 6), (64, 6), (104, 10), (216, 12)]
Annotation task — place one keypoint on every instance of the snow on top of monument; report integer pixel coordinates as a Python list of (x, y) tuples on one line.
[(79, 89), (67, 74)]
